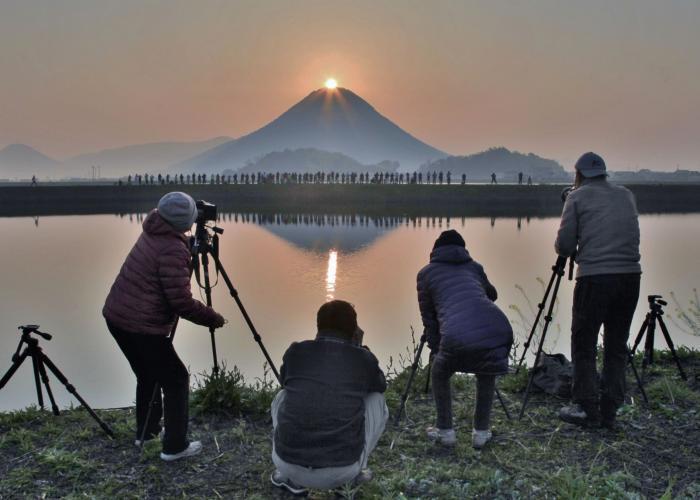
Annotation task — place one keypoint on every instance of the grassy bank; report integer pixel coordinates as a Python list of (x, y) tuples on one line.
[(656, 452), (472, 200)]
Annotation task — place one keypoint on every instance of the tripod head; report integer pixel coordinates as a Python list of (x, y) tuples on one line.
[(27, 330), (560, 264), (656, 304)]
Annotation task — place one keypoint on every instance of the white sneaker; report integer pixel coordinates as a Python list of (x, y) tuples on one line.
[(446, 437), (480, 438), (194, 448)]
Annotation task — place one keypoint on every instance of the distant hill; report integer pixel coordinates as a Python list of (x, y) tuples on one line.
[(139, 158), (335, 120), (19, 161), (309, 160), (505, 163)]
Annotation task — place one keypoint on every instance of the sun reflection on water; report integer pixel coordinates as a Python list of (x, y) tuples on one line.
[(330, 274)]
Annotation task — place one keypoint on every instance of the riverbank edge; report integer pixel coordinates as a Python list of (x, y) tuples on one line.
[(384, 199), (655, 454)]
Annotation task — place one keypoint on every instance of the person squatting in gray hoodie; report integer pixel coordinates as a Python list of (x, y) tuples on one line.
[(465, 330), (599, 224)]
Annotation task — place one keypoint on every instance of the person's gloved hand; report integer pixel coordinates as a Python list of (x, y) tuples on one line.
[(219, 321)]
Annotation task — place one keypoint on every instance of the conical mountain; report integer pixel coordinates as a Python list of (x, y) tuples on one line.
[(22, 161), (335, 120)]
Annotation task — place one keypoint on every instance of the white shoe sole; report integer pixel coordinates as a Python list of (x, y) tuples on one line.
[(294, 490), (195, 448)]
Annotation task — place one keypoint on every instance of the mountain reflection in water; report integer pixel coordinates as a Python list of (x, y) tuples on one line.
[(324, 233)]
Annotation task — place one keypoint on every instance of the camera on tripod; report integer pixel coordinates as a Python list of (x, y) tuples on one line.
[(655, 303), (205, 212)]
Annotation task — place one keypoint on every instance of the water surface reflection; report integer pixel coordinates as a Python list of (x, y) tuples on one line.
[(58, 271)]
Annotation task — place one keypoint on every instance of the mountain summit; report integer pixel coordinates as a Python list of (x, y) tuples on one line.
[(335, 120)]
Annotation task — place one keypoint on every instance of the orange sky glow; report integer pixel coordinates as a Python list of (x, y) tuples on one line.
[(551, 77)]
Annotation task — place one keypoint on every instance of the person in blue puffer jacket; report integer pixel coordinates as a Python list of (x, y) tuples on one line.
[(465, 331)]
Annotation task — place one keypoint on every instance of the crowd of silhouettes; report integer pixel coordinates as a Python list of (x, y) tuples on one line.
[(304, 178)]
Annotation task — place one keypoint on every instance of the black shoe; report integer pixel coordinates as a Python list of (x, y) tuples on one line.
[(280, 481)]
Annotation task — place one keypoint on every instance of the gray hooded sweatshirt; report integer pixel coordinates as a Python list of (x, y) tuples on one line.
[(601, 224)]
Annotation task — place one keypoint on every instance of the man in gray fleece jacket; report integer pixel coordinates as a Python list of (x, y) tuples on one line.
[(600, 225)]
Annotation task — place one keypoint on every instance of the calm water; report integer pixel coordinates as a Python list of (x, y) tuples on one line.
[(57, 272)]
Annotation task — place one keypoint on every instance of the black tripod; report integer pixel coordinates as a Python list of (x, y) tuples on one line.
[(414, 368), (649, 328), (557, 274), (555, 279), (39, 362), (206, 244)]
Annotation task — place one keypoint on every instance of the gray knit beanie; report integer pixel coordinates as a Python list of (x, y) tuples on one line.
[(178, 209)]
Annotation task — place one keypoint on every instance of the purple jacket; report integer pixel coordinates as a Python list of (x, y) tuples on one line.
[(459, 316), (153, 285)]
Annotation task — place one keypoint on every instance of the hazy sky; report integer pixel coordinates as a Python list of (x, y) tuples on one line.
[(552, 77)]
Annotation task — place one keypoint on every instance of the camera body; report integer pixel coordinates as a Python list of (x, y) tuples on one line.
[(205, 211)]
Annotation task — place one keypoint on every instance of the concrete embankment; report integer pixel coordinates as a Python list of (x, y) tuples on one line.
[(469, 200)]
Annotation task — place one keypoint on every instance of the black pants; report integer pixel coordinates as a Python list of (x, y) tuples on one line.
[(153, 360), (443, 369), (608, 300)]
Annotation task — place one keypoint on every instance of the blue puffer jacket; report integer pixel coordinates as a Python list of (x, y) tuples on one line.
[(459, 316)]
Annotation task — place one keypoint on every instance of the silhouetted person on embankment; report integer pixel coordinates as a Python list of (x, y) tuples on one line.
[(493, 178), (520, 178), (466, 332), (34, 183), (150, 292), (330, 414), (600, 224)]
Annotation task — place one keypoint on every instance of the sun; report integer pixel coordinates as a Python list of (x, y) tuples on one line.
[(331, 83)]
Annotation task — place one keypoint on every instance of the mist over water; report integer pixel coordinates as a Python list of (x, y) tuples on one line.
[(58, 270)]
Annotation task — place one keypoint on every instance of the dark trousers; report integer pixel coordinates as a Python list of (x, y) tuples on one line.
[(608, 300), (443, 369), (153, 360)]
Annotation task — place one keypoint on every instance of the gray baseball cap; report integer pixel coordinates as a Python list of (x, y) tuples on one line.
[(591, 165)]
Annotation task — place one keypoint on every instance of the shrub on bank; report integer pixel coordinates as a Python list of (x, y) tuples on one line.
[(227, 393)]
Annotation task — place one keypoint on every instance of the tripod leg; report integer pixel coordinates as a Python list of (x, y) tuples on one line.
[(414, 367), (37, 379), (47, 385), (630, 359), (640, 335), (540, 306), (529, 379), (256, 336), (57, 373), (503, 404), (649, 345), (547, 320), (142, 437), (669, 342), (16, 363), (207, 293)]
